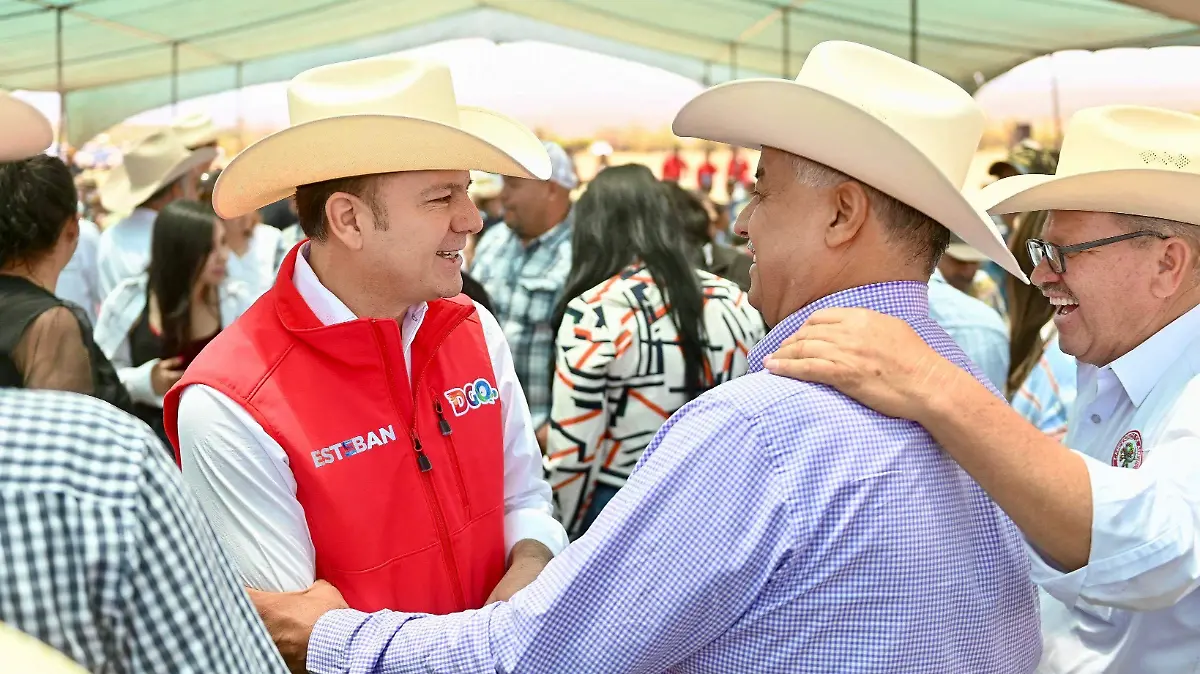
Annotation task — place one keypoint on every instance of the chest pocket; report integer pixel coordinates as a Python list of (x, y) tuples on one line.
[(542, 296)]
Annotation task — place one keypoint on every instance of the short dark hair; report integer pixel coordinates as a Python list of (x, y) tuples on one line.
[(37, 198), (163, 191), (925, 238), (311, 199), (691, 213)]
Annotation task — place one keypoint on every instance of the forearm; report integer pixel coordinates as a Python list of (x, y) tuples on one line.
[(1043, 486)]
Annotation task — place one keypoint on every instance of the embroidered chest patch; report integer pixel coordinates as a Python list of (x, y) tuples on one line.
[(1128, 453)]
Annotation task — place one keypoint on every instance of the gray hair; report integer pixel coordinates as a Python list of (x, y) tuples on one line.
[(1165, 228), (925, 237)]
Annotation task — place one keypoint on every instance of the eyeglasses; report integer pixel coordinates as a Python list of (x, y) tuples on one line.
[(1057, 255)]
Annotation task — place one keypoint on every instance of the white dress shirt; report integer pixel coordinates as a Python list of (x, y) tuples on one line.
[(257, 267), (79, 281), (1134, 608), (125, 249), (243, 480)]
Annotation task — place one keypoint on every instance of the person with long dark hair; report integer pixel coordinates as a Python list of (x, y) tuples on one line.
[(641, 331), (154, 324), (45, 341)]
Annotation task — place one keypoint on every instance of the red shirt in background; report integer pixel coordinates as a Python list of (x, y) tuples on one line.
[(739, 171), (704, 175), (673, 168)]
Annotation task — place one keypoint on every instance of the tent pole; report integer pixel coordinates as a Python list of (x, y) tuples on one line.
[(707, 74), (1058, 133), (912, 31), (787, 41), (174, 78), (61, 85), (241, 108), (733, 69)]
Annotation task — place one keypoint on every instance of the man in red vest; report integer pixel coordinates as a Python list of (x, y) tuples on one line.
[(362, 422)]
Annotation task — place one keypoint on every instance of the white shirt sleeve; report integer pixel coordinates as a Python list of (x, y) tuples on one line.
[(245, 485), (1145, 547), (528, 502)]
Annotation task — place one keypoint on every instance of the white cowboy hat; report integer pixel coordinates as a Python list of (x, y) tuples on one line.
[(891, 124), (377, 115), (155, 162), (1114, 159), (195, 130), (20, 652), (25, 131)]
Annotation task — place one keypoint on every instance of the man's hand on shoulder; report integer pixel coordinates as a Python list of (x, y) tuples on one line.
[(528, 559), (291, 616), (874, 358)]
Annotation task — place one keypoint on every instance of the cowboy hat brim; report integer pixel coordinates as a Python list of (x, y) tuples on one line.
[(1152, 193), (818, 126), (355, 145), (119, 196), (26, 131)]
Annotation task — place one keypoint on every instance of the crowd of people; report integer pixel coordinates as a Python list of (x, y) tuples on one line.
[(392, 391)]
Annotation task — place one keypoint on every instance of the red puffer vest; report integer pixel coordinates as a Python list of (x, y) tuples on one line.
[(402, 486)]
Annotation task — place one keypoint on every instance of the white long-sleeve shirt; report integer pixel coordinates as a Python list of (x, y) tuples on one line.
[(243, 480), (79, 281), (124, 249), (1134, 607), (257, 267)]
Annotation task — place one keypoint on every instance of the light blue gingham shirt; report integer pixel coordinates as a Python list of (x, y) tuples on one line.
[(772, 526), (525, 283), (974, 326)]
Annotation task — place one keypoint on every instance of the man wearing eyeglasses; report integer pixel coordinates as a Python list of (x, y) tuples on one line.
[(1112, 524)]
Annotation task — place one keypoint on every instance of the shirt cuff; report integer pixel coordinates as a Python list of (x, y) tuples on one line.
[(533, 524), (329, 644)]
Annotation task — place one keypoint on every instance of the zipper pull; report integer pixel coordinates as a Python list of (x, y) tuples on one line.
[(443, 425), (422, 460)]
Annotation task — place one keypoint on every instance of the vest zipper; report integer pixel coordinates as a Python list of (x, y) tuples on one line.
[(422, 459), (426, 467), (438, 516), (447, 433)]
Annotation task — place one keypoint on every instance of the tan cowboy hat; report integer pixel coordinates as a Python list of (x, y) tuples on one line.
[(891, 124), (155, 162), (25, 132), (195, 130), (964, 252), (377, 115), (21, 653), (1114, 159)]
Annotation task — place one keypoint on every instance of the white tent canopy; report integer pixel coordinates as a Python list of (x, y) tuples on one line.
[(114, 58)]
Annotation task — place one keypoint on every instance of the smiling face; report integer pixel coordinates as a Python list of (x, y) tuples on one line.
[(1113, 297), (785, 222)]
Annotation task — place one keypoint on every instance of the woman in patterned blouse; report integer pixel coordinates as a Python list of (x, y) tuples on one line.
[(625, 359)]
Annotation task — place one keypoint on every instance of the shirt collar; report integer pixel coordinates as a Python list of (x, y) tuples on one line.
[(556, 233), (325, 305), (1141, 368), (908, 300)]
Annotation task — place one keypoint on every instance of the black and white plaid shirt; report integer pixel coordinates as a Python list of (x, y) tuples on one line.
[(102, 553)]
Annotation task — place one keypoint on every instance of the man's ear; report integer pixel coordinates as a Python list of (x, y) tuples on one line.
[(348, 216), (1176, 267), (852, 208)]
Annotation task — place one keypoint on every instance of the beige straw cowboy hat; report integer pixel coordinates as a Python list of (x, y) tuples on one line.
[(195, 130), (891, 124), (1115, 159), (21, 654), (152, 164), (24, 132), (377, 115)]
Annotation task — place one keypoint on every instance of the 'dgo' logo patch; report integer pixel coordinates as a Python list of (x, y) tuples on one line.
[(471, 396)]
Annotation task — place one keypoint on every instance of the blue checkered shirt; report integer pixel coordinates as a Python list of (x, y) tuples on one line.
[(525, 283), (974, 326), (102, 553), (772, 526)]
